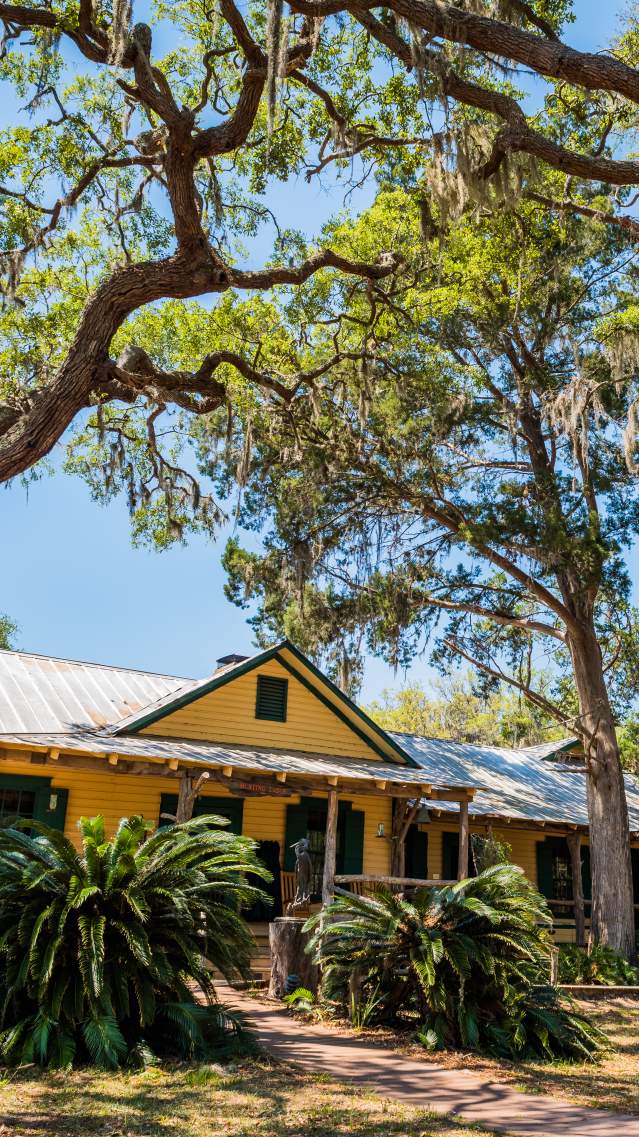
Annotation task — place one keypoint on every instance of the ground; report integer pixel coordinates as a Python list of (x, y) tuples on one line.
[(612, 1083), (250, 1100), (256, 1099)]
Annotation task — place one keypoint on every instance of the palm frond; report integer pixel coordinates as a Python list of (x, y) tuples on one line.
[(469, 960), (99, 948)]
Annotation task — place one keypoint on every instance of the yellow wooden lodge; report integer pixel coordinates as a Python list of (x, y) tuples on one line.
[(287, 755)]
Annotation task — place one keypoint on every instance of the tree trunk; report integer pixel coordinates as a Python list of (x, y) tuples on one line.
[(612, 920), (398, 845), (188, 794), (404, 814), (289, 959)]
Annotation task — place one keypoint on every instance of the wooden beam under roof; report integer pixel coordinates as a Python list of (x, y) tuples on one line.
[(459, 793)]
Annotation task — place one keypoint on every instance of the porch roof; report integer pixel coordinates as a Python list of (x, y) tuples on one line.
[(518, 785), (218, 756)]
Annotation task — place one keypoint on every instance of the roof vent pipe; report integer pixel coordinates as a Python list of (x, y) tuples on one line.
[(230, 660)]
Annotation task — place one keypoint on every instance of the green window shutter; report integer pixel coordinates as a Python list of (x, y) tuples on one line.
[(296, 828), (232, 808), (271, 698), (417, 853), (544, 868), (353, 841), (450, 855)]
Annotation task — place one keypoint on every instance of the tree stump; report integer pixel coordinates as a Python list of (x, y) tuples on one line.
[(288, 956)]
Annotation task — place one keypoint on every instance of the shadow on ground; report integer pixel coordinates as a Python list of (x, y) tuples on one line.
[(255, 1100)]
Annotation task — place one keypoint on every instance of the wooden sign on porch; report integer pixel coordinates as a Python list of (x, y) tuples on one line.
[(258, 787)]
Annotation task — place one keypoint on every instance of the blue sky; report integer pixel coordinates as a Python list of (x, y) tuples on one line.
[(77, 588)]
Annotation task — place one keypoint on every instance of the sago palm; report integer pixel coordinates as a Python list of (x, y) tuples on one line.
[(466, 965), (107, 952)]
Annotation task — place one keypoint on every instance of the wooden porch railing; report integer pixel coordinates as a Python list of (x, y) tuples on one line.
[(361, 883), (399, 881)]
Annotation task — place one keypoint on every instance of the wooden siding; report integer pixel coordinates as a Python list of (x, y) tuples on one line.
[(118, 795), (228, 715), (522, 843)]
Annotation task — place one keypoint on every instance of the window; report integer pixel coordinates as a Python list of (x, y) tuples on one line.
[(23, 796), (316, 834), (561, 875), (272, 695), (15, 803), (554, 875)]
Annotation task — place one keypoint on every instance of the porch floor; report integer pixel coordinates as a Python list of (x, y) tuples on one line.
[(462, 1092)]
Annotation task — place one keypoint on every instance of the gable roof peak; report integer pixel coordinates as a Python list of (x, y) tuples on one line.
[(301, 668)]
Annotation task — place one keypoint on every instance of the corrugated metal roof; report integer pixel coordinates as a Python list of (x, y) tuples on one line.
[(67, 704), (193, 687), (516, 783), (41, 693), (266, 759), (549, 749)]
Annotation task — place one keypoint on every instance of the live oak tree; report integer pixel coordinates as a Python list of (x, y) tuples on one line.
[(141, 159), (140, 182), (471, 484)]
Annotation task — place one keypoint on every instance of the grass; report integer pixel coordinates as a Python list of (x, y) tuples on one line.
[(612, 1083), (256, 1099), (249, 1100)]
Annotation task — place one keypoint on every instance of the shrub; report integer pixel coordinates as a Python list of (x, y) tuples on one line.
[(488, 851), (102, 951), (467, 965), (301, 999), (600, 965)]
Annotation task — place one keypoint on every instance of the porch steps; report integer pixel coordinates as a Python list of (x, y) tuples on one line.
[(260, 973)]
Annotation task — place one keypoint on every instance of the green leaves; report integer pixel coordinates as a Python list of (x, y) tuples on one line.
[(104, 1041), (468, 964), (598, 965), (101, 951)]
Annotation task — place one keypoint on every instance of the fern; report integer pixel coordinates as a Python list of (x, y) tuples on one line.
[(600, 965), (101, 950), (468, 963), (300, 999)]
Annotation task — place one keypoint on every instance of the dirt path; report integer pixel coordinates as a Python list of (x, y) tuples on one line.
[(464, 1093)]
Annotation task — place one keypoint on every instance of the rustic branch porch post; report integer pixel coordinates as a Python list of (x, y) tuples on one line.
[(403, 817), (462, 863), (397, 864), (330, 850), (188, 794), (574, 848)]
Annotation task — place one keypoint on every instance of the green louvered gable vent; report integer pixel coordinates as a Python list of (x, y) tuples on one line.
[(272, 695)]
